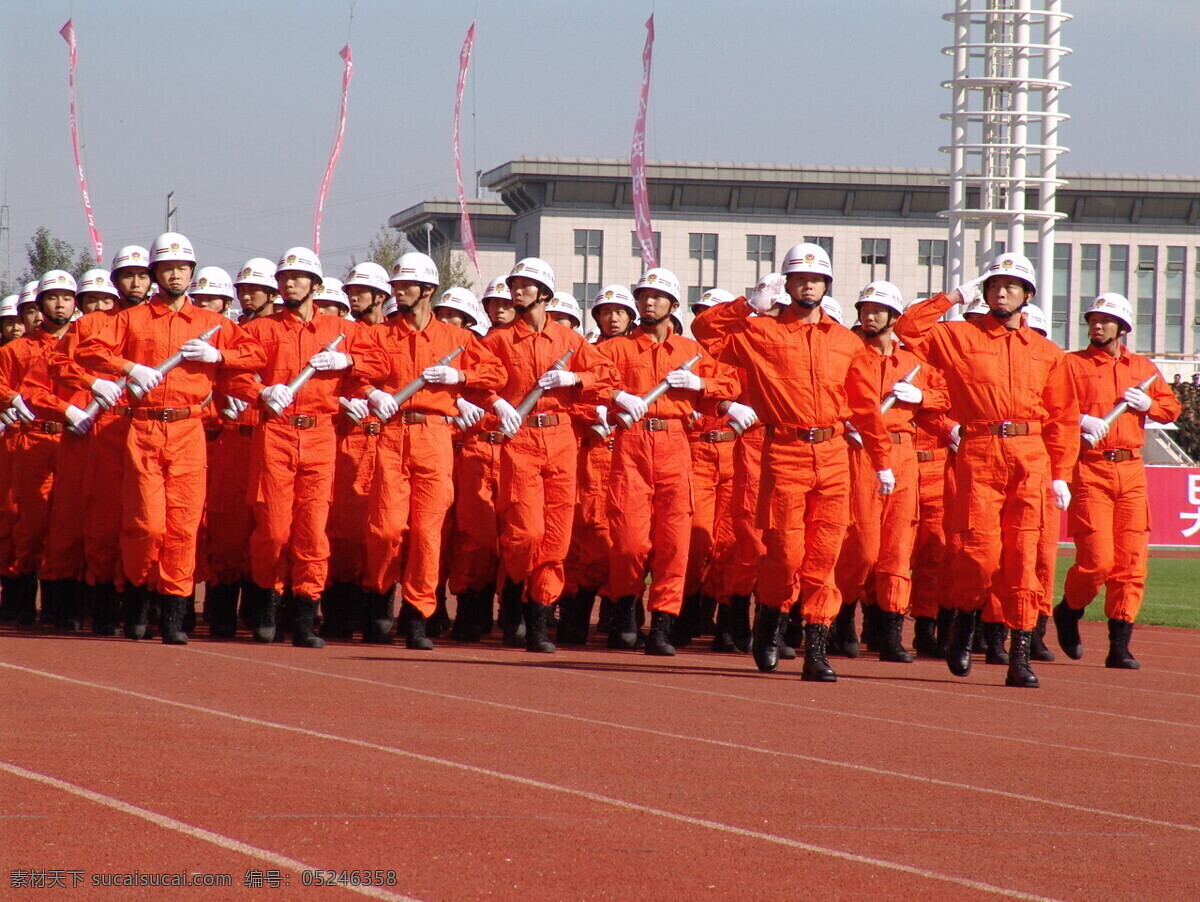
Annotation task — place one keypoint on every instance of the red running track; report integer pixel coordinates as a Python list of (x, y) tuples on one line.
[(477, 772)]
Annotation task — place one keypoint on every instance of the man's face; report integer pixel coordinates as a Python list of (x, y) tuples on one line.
[(874, 318), (653, 304), (173, 277), (57, 307), (500, 311), (362, 299), (612, 319), (213, 302), (407, 294), (805, 288), (11, 327), (329, 308), (133, 282), (253, 298), (31, 316), (525, 292), (1005, 294), (294, 286), (451, 316), (1102, 328), (91, 301), (563, 320)]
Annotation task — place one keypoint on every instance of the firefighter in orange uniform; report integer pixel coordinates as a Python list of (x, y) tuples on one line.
[(1110, 516), (1020, 434)]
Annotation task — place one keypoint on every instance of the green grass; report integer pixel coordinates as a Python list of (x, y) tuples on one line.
[(1171, 592)]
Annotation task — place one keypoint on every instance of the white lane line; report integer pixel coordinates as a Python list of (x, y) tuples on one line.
[(529, 782), (217, 839), (722, 743)]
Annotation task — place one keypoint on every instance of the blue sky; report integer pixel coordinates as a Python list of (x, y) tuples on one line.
[(232, 105)]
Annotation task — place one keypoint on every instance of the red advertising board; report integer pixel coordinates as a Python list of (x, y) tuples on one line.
[(1174, 507)]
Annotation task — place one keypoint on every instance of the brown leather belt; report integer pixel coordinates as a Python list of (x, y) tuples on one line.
[(1005, 429), (161, 414), (46, 427), (244, 428), (416, 418), (369, 428), (302, 421), (491, 438), (899, 438), (924, 457), (124, 410), (718, 436), (591, 439), (541, 420), (1115, 455), (813, 435), (655, 424)]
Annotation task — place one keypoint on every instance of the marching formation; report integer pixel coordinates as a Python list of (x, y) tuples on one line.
[(349, 454)]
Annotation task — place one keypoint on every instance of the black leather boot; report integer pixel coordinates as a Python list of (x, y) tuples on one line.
[(220, 601), (623, 631), (377, 630), (721, 640), (925, 642), (415, 627), (658, 642), (1037, 645), (844, 638), (1066, 625), (1119, 658), (686, 626), (439, 621), (945, 619), (72, 605), (537, 625), (106, 615), (872, 627), (769, 623), (304, 615), (739, 623), (266, 604), (1019, 672), (135, 611), (466, 617), (892, 647), (248, 606), (576, 617), (512, 615), (174, 609), (994, 637), (52, 609), (816, 664), (958, 651)]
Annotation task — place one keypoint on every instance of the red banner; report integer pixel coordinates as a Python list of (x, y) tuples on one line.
[(1174, 494), (347, 73), (637, 160), (464, 61), (68, 33)]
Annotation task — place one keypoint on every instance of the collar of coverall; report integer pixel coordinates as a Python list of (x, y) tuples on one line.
[(158, 307), (522, 330), (826, 322), (289, 319), (404, 325), (996, 329), (646, 340), (1101, 357)]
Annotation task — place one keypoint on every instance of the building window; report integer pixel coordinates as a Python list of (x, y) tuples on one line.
[(760, 249), (589, 244), (1174, 299), (635, 246), (1089, 284), (931, 257), (825, 244), (1118, 269), (1031, 254), (702, 247), (1147, 288), (1060, 297), (875, 254)]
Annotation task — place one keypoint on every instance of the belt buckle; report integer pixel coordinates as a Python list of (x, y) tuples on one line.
[(304, 421), (1004, 429), (494, 438), (539, 420), (371, 428), (656, 424), (711, 436), (164, 414), (807, 435)]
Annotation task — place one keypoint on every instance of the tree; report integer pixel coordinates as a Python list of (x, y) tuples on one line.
[(385, 248), (453, 266), (45, 252)]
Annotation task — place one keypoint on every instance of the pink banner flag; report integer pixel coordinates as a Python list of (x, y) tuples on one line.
[(637, 160), (464, 61), (347, 74), (68, 33)]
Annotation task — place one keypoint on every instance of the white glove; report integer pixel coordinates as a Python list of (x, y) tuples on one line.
[(106, 393), (1137, 399), (762, 297), (632, 404), (853, 437), (970, 291), (195, 349), (887, 481), (329, 361), (22, 409), (233, 408), (1062, 494), (383, 404), (956, 436), (78, 421), (278, 395), (471, 413), (358, 407), (510, 420), (557, 379), (441, 375), (907, 393), (1094, 426), (602, 420), (742, 414), (9, 416), (684, 379), (145, 377)]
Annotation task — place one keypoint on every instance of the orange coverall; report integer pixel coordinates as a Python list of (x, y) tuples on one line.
[(163, 492), (413, 486), (290, 482), (997, 375), (748, 547), (1109, 517), (800, 381), (879, 541), (476, 479), (650, 488), (930, 587), (591, 544), (536, 501), (710, 551)]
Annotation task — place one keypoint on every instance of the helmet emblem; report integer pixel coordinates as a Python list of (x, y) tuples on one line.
[(291, 258), (174, 247), (202, 283)]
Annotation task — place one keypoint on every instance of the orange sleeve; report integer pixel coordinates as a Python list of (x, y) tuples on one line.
[(1164, 406), (101, 351), (597, 376), (38, 390), (917, 328), (721, 383), (1060, 431), (863, 399)]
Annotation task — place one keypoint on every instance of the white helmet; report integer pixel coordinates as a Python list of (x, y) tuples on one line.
[(483, 322), (8, 306), (781, 299), (212, 280), (808, 257), (1015, 265), (660, 279), (1113, 304), (1035, 318), (172, 246), (369, 275), (532, 268), (56, 280), (616, 294), (332, 294), (978, 306), (497, 288), (331, 282), (462, 300), (415, 267), (833, 309), (713, 297), (258, 271), (131, 256), (881, 292), (299, 259), (99, 281), (390, 308), (565, 303), (28, 294)]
